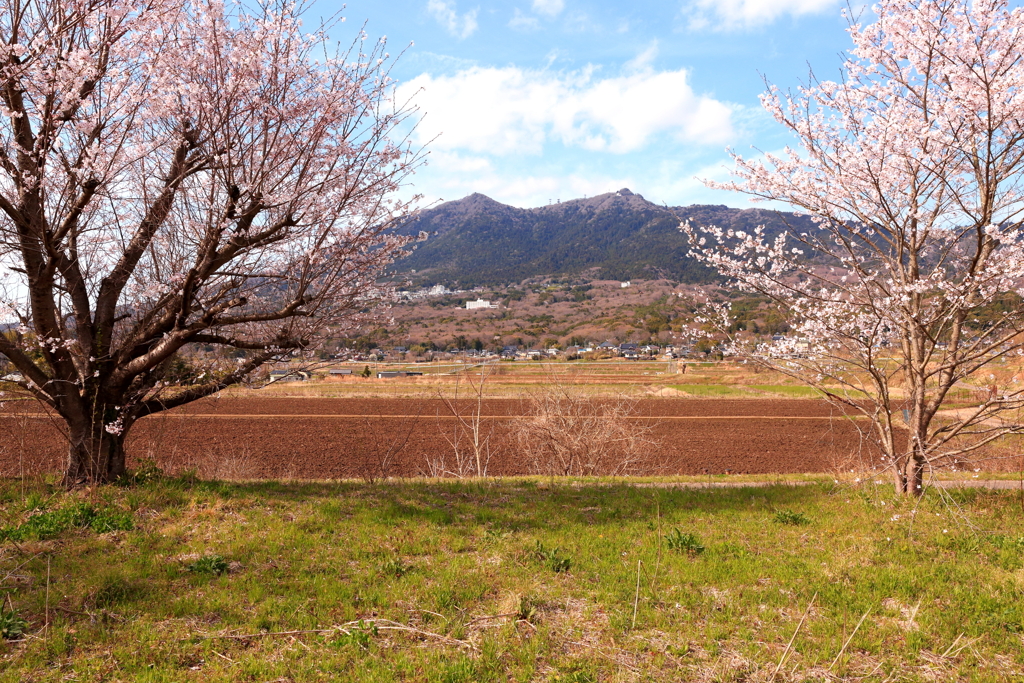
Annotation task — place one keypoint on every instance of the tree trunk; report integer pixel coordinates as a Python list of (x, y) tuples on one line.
[(97, 457), (915, 475), (900, 478)]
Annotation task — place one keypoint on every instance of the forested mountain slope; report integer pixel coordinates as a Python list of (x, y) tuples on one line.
[(618, 235)]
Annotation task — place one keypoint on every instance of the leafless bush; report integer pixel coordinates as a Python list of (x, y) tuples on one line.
[(565, 432), (470, 437), (238, 466)]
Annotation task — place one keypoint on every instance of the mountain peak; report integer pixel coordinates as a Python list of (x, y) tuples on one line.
[(617, 235)]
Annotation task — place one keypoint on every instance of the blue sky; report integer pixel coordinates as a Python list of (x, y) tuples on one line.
[(530, 101)]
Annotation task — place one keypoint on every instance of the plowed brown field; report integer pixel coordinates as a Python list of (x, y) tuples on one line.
[(327, 438)]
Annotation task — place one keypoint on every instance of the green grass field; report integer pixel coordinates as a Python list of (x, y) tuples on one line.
[(513, 580), (714, 390), (789, 390)]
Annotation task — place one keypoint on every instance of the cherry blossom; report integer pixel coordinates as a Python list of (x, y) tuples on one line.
[(911, 168), (182, 172)]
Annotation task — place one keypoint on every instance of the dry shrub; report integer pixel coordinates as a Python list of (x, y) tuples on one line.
[(565, 432), (471, 437)]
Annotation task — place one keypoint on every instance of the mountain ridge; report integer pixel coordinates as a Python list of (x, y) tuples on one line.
[(618, 235)]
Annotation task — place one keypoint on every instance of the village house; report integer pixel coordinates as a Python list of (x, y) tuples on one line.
[(288, 376), (479, 303)]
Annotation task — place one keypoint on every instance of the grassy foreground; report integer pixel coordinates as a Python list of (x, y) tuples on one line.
[(508, 581)]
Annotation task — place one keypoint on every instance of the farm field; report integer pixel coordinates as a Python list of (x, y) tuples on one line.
[(178, 579), (341, 438)]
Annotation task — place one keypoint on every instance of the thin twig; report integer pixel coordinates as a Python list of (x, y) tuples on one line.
[(657, 563), (950, 652), (440, 616), (47, 602), (913, 615), (11, 573), (636, 598), (847, 643), (950, 648), (791, 640), (606, 656), (496, 616), (264, 634)]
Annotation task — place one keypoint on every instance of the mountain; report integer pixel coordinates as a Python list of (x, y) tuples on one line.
[(616, 236)]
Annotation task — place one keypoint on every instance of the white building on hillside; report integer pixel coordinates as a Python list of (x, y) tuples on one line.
[(479, 303)]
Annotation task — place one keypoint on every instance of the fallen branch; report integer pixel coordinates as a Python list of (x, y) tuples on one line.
[(379, 624)]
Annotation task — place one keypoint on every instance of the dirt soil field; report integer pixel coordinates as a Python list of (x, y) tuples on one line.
[(327, 438)]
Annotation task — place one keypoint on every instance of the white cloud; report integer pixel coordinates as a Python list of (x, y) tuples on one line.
[(734, 14), (510, 111), (445, 12), (643, 61), (523, 22), (550, 8)]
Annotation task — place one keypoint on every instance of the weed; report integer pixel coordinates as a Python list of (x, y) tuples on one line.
[(395, 567), (117, 590), (11, 624), (208, 564), (494, 535), (111, 519), (358, 635), (459, 671), (51, 523), (526, 610), (59, 644), (552, 558), (35, 501), (791, 518), (1006, 542), (684, 543), (576, 674), (146, 472)]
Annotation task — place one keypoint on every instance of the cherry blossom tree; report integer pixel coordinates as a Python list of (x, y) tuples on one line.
[(911, 166), (177, 173)]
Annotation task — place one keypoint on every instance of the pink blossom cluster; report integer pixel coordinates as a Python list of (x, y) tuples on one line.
[(911, 169), (183, 172)]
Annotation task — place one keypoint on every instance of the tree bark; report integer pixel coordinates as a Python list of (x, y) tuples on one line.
[(900, 478), (95, 457)]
